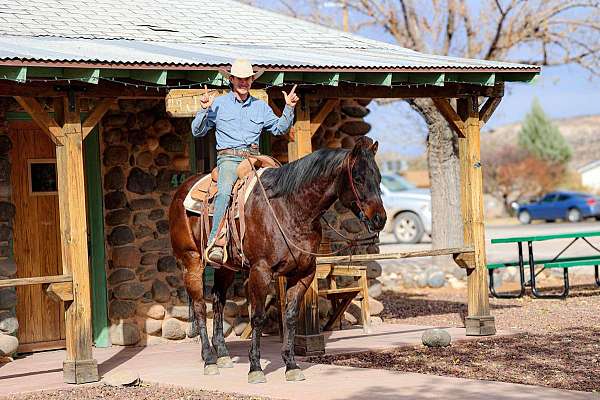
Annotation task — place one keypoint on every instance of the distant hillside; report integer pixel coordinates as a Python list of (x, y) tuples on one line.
[(582, 133)]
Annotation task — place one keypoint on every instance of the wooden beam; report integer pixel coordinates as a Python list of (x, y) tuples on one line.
[(479, 322), (79, 366), (85, 90), (316, 122), (60, 291), (41, 118), (37, 280), (488, 109), (453, 119), (96, 115), (302, 132), (310, 341), (393, 256)]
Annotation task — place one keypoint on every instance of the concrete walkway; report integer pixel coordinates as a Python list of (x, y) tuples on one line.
[(179, 364)]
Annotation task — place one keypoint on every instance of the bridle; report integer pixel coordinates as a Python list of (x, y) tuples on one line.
[(362, 216)]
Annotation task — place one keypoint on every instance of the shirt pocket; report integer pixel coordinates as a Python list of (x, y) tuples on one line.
[(227, 121), (255, 123)]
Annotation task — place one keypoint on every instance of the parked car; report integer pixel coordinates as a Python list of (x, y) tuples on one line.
[(408, 209), (570, 206)]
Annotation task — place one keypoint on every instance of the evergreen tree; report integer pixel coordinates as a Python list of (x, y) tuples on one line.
[(541, 138)]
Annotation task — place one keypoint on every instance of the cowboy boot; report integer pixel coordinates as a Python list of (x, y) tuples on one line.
[(216, 254)]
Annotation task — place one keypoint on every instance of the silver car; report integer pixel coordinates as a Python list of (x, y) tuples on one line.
[(408, 209)]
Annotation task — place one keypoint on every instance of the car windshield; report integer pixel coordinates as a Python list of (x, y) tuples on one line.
[(396, 183)]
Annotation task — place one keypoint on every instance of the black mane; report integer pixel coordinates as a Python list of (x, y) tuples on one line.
[(290, 177)]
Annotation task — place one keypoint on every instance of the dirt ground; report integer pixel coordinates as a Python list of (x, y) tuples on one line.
[(146, 392), (559, 343)]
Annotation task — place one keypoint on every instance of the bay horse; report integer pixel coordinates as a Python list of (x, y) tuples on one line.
[(299, 193)]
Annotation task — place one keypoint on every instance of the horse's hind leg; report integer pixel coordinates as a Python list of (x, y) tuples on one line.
[(194, 283), (294, 295), (223, 279), (258, 286)]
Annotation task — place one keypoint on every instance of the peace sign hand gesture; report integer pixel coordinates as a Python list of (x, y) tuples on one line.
[(291, 98), (206, 100)]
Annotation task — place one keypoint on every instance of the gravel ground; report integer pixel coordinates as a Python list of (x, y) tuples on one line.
[(559, 343), (146, 392)]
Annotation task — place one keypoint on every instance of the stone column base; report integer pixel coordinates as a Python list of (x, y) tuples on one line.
[(80, 371), (309, 345), (480, 325)]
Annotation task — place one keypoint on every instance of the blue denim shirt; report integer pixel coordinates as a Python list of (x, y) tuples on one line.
[(240, 124)]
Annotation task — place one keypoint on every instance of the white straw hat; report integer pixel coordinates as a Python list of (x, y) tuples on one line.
[(241, 68)]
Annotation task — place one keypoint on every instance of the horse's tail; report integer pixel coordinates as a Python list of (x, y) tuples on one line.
[(182, 238)]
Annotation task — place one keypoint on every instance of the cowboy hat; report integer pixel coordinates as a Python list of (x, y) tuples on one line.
[(241, 68)]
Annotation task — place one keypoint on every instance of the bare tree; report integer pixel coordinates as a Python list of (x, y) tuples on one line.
[(540, 32)]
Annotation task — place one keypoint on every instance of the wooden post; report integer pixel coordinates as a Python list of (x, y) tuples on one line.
[(79, 366), (302, 130), (479, 322)]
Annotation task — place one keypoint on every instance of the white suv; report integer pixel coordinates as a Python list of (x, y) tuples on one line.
[(408, 209)]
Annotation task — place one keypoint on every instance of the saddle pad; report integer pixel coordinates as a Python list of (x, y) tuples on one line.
[(195, 206)]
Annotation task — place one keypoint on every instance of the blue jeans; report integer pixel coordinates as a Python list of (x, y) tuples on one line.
[(227, 165)]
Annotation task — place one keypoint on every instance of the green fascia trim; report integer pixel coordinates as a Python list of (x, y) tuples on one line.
[(19, 116), (95, 216), (209, 77), (151, 76), (435, 79), (82, 74), (480, 78), (374, 78), (529, 77), (115, 73), (322, 78), (293, 77), (18, 74), (273, 78), (44, 72)]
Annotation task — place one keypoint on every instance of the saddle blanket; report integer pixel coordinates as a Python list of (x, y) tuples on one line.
[(195, 206)]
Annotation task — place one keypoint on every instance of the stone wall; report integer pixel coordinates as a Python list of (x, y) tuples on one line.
[(8, 269)]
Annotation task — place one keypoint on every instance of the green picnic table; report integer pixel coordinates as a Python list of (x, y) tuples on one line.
[(557, 261)]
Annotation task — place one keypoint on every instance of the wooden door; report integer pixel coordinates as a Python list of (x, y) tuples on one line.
[(36, 240)]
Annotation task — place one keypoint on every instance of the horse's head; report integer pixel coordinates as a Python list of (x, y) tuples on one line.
[(358, 184)]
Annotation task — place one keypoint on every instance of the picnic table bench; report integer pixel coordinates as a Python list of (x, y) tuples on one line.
[(558, 261)]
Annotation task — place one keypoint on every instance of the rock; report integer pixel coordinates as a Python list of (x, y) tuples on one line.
[(142, 231), (118, 217), (227, 329), (436, 279), (5, 231), (180, 312), (181, 163), (8, 298), (145, 159), (456, 284), (140, 218), (375, 307), (173, 329), (121, 275), (350, 318), (121, 378), (162, 126), (192, 329), (324, 307), (142, 204), (114, 120), (160, 291), (150, 259), (8, 323), (5, 145), (155, 244), (155, 311), (165, 199), (112, 135), (121, 309), (375, 290), (7, 211), (376, 320), (230, 309), (174, 281), (137, 138), (164, 180), (8, 345), (115, 155), (140, 182), (129, 291), (8, 267), (114, 200), (182, 295), (125, 256), (162, 226), (332, 119), (355, 128), (152, 326), (436, 338), (172, 143), (352, 225), (239, 326), (355, 111), (145, 119), (147, 274), (152, 143), (114, 179), (373, 270), (162, 160), (156, 214), (124, 334)]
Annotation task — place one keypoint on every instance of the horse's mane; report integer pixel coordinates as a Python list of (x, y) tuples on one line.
[(288, 178)]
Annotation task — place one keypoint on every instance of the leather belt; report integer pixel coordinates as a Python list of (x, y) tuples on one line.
[(243, 152)]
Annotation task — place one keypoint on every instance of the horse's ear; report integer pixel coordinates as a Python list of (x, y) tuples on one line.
[(362, 142), (374, 147)]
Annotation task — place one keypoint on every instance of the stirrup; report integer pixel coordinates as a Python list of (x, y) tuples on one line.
[(216, 255)]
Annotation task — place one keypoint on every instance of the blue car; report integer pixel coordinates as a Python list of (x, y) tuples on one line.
[(570, 206)]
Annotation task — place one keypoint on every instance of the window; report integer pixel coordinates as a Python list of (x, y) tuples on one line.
[(549, 198), (563, 197), (42, 177), (395, 183)]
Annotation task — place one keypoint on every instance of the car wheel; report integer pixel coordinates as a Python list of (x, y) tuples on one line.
[(573, 215), (408, 228), (524, 217)]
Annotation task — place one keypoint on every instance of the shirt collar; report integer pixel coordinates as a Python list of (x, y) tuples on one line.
[(234, 99)]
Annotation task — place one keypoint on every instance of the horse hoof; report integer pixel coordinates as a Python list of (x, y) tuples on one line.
[(211, 369), (224, 362), (256, 377), (294, 375)]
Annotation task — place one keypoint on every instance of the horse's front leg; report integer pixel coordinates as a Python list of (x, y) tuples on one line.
[(194, 284), (294, 296), (258, 286), (223, 279)]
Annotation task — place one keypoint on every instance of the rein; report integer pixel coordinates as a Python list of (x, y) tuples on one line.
[(352, 242)]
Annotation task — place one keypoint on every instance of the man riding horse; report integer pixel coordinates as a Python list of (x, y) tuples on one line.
[(238, 119)]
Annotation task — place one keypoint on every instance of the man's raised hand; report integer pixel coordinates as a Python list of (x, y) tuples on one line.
[(206, 99), (291, 98)]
